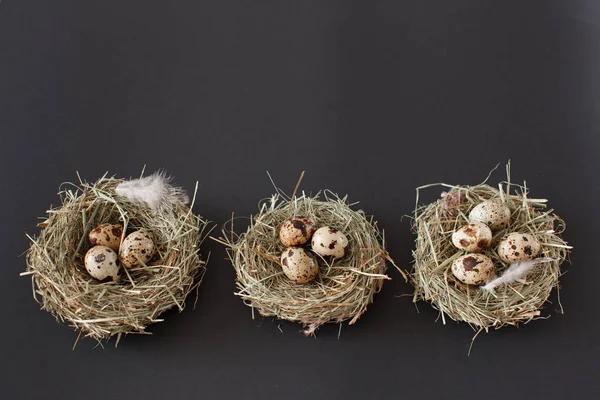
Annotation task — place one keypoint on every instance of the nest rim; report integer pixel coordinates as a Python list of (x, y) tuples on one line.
[(102, 310), (334, 296), (509, 305)]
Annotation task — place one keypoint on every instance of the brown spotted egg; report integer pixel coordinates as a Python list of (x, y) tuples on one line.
[(102, 262), (137, 249), (296, 231), (517, 246), (473, 269), (474, 237), (108, 235), (328, 241), (493, 213), (299, 265)]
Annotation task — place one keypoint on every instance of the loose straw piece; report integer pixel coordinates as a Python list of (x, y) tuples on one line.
[(297, 186)]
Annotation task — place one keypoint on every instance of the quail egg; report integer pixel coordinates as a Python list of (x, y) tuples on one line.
[(517, 246), (108, 235), (493, 213), (101, 263), (474, 237), (296, 231), (137, 249), (299, 265), (473, 269), (327, 241)]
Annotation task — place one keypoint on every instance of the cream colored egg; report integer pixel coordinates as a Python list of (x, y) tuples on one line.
[(517, 246), (102, 263), (296, 231), (108, 235), (137, 249), (474, 237), (327, 241), (473, 269), (493, 213), (299, 265)]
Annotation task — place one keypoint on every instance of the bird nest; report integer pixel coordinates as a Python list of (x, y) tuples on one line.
[(97, 309), (342, 289), (511, 304)]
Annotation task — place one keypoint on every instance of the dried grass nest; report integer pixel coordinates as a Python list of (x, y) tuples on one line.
[(511, 304), (100, 310), (343, 288)]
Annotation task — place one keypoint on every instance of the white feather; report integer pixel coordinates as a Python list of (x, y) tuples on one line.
[(515, 272), (155, 191)]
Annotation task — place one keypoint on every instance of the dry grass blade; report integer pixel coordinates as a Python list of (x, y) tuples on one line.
[(343, 289), (434, 253), (101, 310)]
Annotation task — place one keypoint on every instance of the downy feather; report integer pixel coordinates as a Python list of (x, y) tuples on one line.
[(154, 190), (515, 272)]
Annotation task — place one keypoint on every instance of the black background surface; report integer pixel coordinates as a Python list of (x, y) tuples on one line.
[(372, 99)]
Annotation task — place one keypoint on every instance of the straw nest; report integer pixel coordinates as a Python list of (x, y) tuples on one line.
[(100, 310), (343, 288), (512, 304)]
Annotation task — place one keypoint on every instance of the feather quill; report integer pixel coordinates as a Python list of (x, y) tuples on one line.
[(154, 190), (515, 272)]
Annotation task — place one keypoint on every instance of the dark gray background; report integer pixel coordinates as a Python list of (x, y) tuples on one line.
[(371, 99)]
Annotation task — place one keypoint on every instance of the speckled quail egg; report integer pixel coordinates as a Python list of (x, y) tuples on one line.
[(493, 213), (108, 235), (137, 249), (473, 269), (474, 237), (517, 246), (296, 231), (299, 265), (101, 263), (327, 241)]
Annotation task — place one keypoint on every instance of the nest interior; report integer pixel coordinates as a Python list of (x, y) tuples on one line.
[(343, 288), (434, 253), (97, 309)]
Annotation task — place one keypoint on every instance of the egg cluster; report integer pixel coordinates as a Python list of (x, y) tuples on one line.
[(299, 264), (102, 261), (475, 237)]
